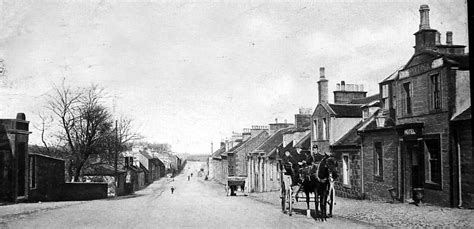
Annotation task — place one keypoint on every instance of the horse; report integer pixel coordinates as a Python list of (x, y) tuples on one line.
[(316, 178)]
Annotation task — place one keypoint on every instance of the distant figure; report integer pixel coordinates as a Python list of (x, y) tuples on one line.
[(191, 174), (188, 178), (172, 189)]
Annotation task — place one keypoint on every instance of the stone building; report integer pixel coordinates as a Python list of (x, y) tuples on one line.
[(263, 165), (330, 121), (14, 159), (46, 174), (425, 93)]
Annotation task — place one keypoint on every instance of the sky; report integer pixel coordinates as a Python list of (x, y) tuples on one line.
[(190, 72)]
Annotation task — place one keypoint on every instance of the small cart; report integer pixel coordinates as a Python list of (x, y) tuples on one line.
[(234, 184)]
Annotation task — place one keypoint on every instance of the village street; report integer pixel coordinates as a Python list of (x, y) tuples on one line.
[(194, 204)]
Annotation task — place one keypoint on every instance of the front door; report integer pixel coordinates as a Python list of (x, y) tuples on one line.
[(416, 154)]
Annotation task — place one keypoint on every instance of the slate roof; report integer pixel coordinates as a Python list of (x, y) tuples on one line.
[(231, 150), (245, 144), (351, 138), (366, 100), (272, 142), (305, 142), (346, 110), (146, 154), (217, 153), (465, 115), (394, 75)]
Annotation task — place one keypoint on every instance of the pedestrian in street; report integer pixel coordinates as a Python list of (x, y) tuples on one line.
[(172, 189)]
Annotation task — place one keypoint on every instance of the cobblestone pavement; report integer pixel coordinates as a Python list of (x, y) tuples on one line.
[(388, 214), (194, 204)]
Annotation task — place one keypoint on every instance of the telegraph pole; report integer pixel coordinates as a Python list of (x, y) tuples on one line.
[(116, 158)]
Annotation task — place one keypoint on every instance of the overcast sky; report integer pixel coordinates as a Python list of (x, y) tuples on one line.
[(190, 73)]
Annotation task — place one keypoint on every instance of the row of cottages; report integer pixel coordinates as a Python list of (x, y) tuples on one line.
[(414, 137), (173, 164), (255, 153), (26, 176), (231, 158), (264, 168)]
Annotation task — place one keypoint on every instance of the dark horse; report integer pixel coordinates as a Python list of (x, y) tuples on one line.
[(316, 178)]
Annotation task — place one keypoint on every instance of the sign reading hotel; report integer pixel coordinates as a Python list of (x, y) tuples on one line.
[(409, 132), (421, 68)]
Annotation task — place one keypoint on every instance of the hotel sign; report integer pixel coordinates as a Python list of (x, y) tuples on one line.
[(415, 70), (409, 132), (437, 63)]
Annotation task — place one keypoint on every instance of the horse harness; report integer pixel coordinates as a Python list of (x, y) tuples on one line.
[(307, 171)]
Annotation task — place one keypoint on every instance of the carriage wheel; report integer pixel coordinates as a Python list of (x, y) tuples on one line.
[(330, 201), (290, 201), (283, 200)]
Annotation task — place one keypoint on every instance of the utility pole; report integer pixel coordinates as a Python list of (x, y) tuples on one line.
[(116, 158), (115, 147)]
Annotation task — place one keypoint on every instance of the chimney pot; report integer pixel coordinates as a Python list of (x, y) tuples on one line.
[(424, 17), (449, 38), (321, 73), (21, 116), (276, 120)]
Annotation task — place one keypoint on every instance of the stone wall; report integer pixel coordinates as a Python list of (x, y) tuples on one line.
[(83, 191), (376, 188), (353, 190), (48, 176)]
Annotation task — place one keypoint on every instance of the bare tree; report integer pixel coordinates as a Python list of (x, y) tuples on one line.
[(87, 133), (85, 124)]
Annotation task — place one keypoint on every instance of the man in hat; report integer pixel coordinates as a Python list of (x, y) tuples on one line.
[(289, 163), (318, 156)]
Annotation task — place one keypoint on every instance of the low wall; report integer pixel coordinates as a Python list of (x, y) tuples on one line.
[(83, 191)]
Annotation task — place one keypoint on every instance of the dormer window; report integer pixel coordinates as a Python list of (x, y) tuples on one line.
[(385, 101), (365, 113)]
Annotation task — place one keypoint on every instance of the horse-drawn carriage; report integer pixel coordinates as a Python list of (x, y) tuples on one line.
[(234, 184), (316, 178)]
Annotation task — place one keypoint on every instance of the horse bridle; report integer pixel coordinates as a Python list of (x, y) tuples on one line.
[(322, 180)]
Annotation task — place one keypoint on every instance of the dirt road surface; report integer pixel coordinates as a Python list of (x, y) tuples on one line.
[(194, 204)]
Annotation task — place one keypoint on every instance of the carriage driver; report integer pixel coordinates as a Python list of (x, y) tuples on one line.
[(294, 163), (318, 156)]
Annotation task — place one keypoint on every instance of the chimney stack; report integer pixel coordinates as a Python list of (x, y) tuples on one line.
[(322, 87), (424, 17), (449, 38)]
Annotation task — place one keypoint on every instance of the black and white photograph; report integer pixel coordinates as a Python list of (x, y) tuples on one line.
[(236, 114)]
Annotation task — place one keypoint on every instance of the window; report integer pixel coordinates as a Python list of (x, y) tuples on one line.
[(385, 102), (435, 92), (325, 134), (378, 160), (433, 162), (32, 167), (345, 169), (271, 170), (365, 113), (407, 92), (315, 129)]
